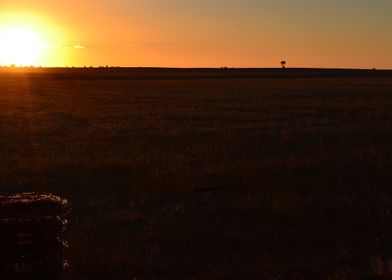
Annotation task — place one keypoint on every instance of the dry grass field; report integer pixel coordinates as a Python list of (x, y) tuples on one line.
[(208, 174)]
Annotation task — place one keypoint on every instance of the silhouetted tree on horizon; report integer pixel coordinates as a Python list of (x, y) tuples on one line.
[(283, 63)]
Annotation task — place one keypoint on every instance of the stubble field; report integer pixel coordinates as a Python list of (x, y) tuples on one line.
[(208, 174)]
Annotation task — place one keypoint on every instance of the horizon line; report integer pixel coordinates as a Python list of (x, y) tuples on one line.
[(190, 68)]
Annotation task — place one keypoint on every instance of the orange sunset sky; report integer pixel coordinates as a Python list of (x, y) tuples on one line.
[(203, 33)]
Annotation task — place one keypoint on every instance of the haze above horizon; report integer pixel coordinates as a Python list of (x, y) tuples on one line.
[(214, 33)]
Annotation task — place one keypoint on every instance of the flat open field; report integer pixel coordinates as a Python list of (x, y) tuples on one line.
[(208, 174)]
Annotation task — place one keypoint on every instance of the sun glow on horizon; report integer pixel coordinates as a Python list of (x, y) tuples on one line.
[(21, 46), (29, 40)]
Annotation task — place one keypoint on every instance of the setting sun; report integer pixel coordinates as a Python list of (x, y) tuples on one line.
[(32, 39), (20, 46)]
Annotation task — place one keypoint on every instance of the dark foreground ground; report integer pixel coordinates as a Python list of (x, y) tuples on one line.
[(297, 166)]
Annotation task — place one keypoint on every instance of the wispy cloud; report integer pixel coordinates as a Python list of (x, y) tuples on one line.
[(79, 46), (75, 46)]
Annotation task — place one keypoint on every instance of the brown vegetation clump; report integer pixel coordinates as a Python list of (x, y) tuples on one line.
[(32, 230)]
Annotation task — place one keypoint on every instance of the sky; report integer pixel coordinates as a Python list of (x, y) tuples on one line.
[(210, 33)]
